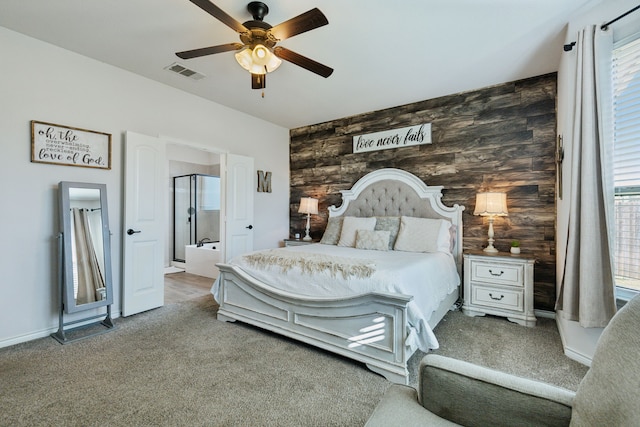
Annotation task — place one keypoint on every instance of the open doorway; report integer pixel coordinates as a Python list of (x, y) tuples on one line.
[(194, 208), (146, 246), (194, 221)]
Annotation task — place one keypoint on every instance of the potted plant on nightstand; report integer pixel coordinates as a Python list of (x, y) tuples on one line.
[(515, 246)]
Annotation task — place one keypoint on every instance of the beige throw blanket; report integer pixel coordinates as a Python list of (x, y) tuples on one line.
[(309, 263)]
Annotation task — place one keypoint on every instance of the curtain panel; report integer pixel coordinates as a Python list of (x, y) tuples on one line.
[(587, 292)]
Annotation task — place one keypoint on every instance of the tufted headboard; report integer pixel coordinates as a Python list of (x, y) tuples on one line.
[(394, 192), (390, 198)]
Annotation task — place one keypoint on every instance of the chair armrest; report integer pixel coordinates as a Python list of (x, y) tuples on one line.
[(399, 407), (471, 395)]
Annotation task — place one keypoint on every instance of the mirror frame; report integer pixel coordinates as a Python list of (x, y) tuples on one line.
[(68, 298)]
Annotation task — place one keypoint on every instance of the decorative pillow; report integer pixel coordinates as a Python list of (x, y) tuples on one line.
[(371, 239), (453, 233), (446, 239), (390, 224), (332, 232), (349, 226), (423, 235)]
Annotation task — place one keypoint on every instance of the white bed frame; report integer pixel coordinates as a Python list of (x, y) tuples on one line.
[(337, 324)]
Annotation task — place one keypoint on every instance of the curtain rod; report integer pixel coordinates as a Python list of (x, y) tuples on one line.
[(605, 26), (568, 47)]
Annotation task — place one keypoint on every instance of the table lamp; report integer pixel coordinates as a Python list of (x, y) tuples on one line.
[(308, 205), (491, 204)]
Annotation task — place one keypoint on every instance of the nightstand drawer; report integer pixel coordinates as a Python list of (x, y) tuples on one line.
[(497, 273), (492, 297)]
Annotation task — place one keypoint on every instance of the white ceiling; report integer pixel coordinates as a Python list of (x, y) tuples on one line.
[(384, 53)]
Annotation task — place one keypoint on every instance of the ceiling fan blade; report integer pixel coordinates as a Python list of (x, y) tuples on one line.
[(195, 53), (302, 61), (302, 23), (220, 15)]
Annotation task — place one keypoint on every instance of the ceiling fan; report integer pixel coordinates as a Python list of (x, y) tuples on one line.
[(258, 52)]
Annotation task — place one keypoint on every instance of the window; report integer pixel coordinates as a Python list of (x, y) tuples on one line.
[(626, 162)]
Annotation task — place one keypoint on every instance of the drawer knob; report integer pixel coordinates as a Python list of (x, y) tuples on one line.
[(496, 298), (496, 274)]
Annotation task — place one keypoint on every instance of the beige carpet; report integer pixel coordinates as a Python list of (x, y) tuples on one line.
[(178, 365), (495, 342)]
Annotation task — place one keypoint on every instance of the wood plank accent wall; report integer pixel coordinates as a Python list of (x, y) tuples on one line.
[(499, 138)]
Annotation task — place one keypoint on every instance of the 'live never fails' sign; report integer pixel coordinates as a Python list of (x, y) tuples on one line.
[(395, 138)]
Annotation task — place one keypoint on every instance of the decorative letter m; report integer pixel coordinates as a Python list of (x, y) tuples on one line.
[(264, 182)]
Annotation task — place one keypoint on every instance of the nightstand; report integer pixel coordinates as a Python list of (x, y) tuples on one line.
[(500, 284), (298, 242)]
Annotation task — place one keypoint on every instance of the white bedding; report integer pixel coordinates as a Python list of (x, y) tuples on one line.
[(428, 277)]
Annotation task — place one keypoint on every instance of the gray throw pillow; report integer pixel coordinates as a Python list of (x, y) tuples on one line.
[(332, 232), (390, 224)]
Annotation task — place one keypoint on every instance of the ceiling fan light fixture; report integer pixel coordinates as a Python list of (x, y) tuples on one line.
[(258, 53), (259, 60)]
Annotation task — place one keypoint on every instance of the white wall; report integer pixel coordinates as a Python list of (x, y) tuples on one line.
[(45, 83), (579, 342)]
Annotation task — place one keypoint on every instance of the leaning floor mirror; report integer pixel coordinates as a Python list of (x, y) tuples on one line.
[(84, 253)]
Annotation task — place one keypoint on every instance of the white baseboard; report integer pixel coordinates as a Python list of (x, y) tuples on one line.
[(578, 343), (580, 358), (43, 333), (27, 337), (545, 313)]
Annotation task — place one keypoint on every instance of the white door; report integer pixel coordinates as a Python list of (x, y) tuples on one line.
[(145, 188), (239, 191)]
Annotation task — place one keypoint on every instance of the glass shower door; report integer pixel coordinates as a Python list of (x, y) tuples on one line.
[(183, 212)]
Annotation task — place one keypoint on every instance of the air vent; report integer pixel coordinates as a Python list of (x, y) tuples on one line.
[(184, 71)]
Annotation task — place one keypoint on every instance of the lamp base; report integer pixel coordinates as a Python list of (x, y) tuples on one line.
[(490, 249), (307, 237)]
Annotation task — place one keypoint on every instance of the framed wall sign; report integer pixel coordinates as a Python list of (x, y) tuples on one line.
[(69, 146), (394, 138)]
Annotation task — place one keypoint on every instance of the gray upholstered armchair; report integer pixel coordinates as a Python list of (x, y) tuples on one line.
[(452, 392)]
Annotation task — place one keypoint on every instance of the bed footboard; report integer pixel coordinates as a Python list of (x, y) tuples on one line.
[(368, 328)]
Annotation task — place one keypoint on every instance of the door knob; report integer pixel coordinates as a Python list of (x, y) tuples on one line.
[(132, 231), (250, 227)]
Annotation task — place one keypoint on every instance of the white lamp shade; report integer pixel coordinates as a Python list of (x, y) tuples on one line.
[(308, 205), (260, 55), (244, 58), (260, 60), (491, 204), (274, 63)]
